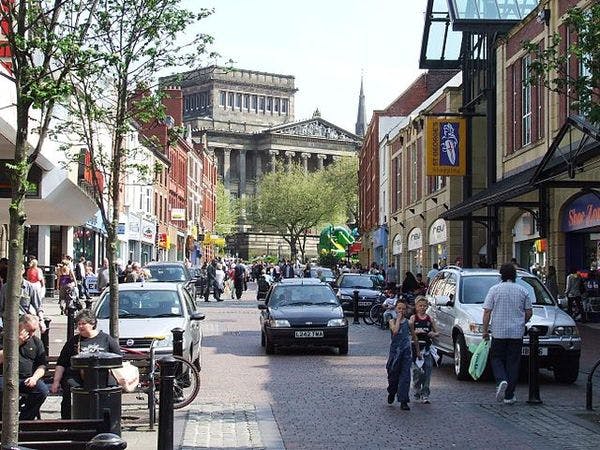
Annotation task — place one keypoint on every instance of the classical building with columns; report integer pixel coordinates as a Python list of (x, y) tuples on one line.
[(247, 119)]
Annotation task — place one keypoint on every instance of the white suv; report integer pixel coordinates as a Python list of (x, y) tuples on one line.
[(456, 298)]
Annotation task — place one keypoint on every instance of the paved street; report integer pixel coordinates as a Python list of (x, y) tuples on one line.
[(300, 399)]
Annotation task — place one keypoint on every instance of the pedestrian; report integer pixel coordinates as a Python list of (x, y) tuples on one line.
[(409, 284), (432, 273), (287, 270), (573, 291), (421, 286), (239, 275), (551, 282), (67, 289), (219, 282), (3, 270), (391, 276), (29, 301), (424, 328), (508, 305), (36, 277), (388, 305), (103, 276), (80, 277), (400, 357), (32, 367), (89, 339)]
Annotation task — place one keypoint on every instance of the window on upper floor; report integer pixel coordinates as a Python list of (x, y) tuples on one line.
[(253, 102), (525, 101), (284, 106), (269, 104), (414, 176), (230, 99), (435, 184), (222, 98), (246, 101), (261, 104), (238, 101), (276, 105)]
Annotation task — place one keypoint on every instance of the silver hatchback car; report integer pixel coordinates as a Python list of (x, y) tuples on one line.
[(456, 298)]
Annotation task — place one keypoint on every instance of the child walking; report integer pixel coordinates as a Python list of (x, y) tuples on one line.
[(424, 328), (399, 360)]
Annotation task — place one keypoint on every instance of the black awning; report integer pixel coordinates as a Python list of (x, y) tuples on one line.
[(501, 191)]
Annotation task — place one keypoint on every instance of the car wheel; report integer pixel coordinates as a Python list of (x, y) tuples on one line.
[(461, 358), (262, 338), (343, 349), (269, 347), (567, 370)]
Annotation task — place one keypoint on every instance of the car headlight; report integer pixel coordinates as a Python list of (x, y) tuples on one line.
[(166, 342), (279, 323), (337, 323), (566, 331), (476, 328)]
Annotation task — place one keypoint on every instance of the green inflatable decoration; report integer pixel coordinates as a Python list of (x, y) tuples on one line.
[(334, 240)]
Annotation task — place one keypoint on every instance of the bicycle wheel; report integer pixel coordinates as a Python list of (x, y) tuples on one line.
[(376, 314), (366, 316), (186, 384)]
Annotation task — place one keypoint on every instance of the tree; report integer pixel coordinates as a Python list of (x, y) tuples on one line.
[(342, 176), (292, 202), (133, 42), (572, 68), (44, 40), (227, 211)]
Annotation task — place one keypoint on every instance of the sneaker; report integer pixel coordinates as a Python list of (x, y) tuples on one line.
[(500, 390), (404, 406), (390, 399), (425, 400), (510, 401)]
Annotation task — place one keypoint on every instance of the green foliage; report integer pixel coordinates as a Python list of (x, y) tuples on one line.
[(550, 65), (227, 211), (342, 176), (328, 260)]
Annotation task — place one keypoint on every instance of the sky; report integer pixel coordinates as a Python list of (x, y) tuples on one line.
[(326, 45)]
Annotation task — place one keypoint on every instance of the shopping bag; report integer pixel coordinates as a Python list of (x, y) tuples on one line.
[(479, 359), (128, 376)]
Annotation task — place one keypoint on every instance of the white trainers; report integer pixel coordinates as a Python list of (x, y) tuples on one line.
[(510, 401), (425, 400), (500, 390)]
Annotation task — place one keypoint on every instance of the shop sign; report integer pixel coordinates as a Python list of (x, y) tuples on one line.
[(445, 146), (134, 230), (582, 213), (121, 228), (415, 239), (355, 248), (437, 232), (397, 245), (177, 214), (148, 230)]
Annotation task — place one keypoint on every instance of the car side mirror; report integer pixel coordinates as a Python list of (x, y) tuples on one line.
[(197, 316), (262, 306)]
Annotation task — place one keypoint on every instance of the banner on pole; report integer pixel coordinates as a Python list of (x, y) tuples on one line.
[(446, 146)]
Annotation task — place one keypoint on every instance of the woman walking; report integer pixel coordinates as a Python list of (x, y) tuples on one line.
[(36, 277), (66, 286)]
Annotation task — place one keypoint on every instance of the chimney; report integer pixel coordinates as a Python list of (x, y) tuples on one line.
[(173, 102)]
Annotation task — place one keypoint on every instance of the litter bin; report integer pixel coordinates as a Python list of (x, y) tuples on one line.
[(96, 395), (49, 279)]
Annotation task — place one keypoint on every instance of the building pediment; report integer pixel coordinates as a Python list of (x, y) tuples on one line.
[(315, 128)]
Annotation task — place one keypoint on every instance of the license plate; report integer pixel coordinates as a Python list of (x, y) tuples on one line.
[(364, 303), (309, 334), (542, 351)]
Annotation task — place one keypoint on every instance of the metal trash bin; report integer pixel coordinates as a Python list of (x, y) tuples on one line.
[(49, 279), (96, 395)]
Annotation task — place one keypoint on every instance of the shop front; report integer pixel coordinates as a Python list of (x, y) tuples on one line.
[(380, 243), (147, 240), (525, 249), (581, 225), (397, 252), (415, 251), (89, 240), (438, 248)]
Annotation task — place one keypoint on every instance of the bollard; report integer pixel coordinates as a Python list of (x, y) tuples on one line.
[(588, 390), (355, 308), (88, 303), (165, 405), (534, 366), (45, 336), (70, 321), (106, 441)]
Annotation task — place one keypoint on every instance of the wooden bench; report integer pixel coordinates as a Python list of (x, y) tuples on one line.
[(61, 434)]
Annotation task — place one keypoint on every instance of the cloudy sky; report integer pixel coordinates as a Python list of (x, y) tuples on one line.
[(326, 45)]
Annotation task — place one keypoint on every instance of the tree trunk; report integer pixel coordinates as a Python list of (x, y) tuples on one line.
[(113, 280)]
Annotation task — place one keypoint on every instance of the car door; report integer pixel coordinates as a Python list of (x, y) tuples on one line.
[(434, 294), (193, 326), (445, 313)]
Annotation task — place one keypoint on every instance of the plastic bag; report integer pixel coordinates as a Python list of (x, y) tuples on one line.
[(479, 359), (128, 376)]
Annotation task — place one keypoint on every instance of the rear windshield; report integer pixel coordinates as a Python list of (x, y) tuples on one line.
[(143, 304), (474, 289), (167, 273), (324, 272), (311, 295), (356, 281)]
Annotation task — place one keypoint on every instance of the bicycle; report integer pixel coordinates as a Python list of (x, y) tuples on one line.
[(186, 384), (376, 314)]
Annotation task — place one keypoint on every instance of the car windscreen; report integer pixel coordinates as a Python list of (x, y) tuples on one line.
[(475, 288), (327, 273), (365, 282), (167, 273), (143, 304), (302, 295)]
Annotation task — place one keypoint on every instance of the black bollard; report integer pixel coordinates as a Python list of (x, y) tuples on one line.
[(106, 441), (355, 307), (534, 366), (165, 405), (588, 389), (45, 336), (70, 321), (177, 341)]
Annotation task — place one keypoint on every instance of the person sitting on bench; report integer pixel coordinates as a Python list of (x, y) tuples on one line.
[(32, 367)]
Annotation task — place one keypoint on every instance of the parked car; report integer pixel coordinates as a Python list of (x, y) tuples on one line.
[(456, 298), (326, 273), (172, 272), (302, 312), (147, 310), (369, 289)]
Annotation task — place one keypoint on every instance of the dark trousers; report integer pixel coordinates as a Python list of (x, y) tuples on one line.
[(33, 399), (505, 357), (398, 371), (239, 288), (577, 301), (66, 384)]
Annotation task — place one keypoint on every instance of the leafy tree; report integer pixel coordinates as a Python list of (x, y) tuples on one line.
[(552, 66), (133, 42), (342, 176), (292, 202), (227, 210), (44, 40)]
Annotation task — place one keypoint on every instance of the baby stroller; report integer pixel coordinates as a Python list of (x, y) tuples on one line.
[(263, 288)]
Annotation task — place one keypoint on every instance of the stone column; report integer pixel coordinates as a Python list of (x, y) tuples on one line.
[(320, 159), (227, 168), (242, 172), (288, 157), (305, 157), (273, 154), (43, 250), (258, 162)]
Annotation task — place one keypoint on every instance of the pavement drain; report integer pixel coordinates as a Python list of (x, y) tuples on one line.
[(553, 423)]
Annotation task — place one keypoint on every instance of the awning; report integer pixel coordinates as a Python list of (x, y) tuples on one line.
[(503, 190)]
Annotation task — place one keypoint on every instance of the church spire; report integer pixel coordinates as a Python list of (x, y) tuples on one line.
[(360, 118)]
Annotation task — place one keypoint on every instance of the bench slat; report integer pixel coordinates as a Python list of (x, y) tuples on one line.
[(52, 425), (62, 445), (57, 435)]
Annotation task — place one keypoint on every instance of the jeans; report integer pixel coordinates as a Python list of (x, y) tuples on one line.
[(422, 376), (505, 356), (398, 370), (33, 400)]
